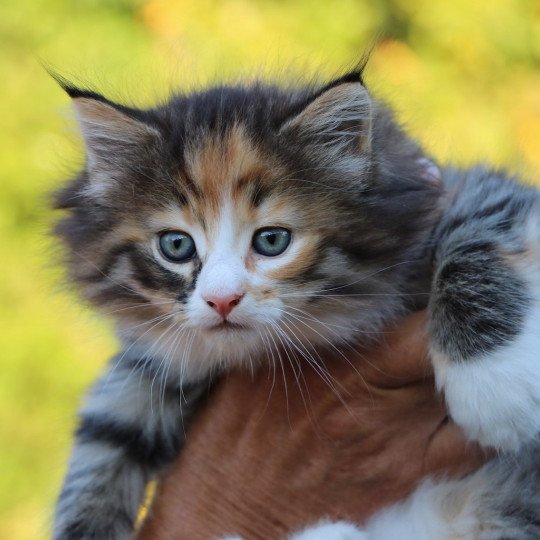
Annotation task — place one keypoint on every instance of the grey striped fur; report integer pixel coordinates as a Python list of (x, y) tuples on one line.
[(131, 426)]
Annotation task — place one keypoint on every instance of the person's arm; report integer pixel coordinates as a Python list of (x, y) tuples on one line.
[(273, 453)]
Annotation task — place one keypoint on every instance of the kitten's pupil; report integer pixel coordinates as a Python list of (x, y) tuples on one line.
[(271, 238)]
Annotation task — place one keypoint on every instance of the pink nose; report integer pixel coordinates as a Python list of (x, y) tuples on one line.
[(223, 304)]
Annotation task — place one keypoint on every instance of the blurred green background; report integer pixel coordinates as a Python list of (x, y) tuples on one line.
[(464, 75)]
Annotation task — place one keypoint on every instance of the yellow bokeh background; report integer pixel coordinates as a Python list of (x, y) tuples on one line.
[(463, 75)]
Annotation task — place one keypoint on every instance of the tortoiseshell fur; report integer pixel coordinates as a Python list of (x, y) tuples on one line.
[(374, 226)]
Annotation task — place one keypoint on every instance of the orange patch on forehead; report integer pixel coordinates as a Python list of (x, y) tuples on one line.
[(216, 165), (223, 168)]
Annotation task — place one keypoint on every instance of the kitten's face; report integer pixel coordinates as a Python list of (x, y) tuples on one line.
[(217, 238), (236, 249)]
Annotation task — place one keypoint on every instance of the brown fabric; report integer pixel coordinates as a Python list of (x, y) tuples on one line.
[(263, 459)]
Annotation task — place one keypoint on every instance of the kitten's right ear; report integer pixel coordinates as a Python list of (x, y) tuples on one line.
[(338, 116), (114, 135)]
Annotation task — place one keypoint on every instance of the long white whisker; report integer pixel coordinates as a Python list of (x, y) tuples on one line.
[(179, 332), (278, 352), (347, 295), (308, 316), (163, 317), (184, 362), (319, 368), (162, 361), (339, 352), (365, 277), (149, 304), (347, 344), (288, 353), (269, 354), (318, 321), (160, 319)]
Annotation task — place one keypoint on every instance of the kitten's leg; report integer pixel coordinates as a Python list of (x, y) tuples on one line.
[(130, 428), (485, 313)]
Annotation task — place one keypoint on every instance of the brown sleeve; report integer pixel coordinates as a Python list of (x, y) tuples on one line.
[(274, 452)]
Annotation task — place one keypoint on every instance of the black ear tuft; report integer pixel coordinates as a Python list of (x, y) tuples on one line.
[(355, 75), (75, 92), (72, 90), (115, 136)]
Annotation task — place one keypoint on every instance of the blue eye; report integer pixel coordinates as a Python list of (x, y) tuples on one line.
[(271, 241), (176, 246)]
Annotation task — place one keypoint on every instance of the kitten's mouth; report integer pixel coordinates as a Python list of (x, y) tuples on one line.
[(226, 325)]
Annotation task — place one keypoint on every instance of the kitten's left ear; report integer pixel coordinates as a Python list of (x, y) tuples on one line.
[(338, 116), (113, 134), (110, 132)]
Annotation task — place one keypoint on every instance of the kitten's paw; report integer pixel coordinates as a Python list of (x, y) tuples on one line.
[(495, 397), (326, 530), (485, 331)]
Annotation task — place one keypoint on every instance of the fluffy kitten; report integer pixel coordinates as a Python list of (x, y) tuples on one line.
[(220, 227)]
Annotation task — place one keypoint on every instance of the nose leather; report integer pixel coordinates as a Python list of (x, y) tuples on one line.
[(223, 304)]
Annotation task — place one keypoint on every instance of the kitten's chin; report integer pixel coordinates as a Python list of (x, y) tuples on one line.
[(228, 345), (227, 327)]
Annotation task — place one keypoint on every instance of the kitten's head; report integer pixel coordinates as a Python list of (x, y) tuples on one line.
[(245, 218)]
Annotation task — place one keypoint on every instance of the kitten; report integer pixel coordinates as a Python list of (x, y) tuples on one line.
[(223, 223)]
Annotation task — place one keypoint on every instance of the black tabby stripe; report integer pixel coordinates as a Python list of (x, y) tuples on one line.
[(146, 450), (478, 302), (109, 261), (259, 192), (152, 275), (500, 215), (84, 528), (148, 272)]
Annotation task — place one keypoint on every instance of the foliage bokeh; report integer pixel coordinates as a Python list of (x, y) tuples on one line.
[(464, 76)]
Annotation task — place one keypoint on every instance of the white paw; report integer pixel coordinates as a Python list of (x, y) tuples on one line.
[(496, 398), (326, 530)]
